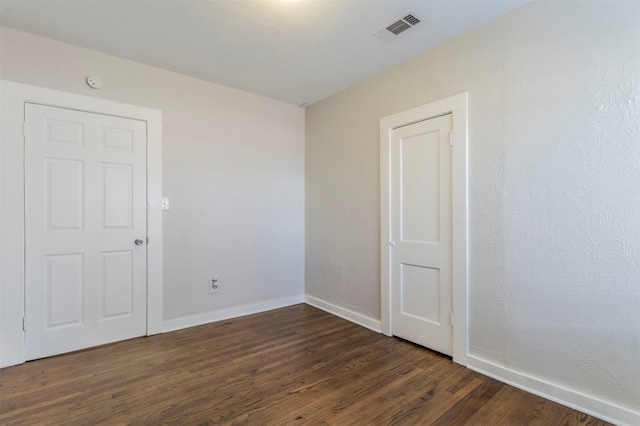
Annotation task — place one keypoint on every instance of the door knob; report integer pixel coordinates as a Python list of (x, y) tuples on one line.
[(139, 242), (392, 243)]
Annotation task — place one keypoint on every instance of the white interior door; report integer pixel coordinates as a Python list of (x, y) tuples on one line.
[(85, 207), (421, 233)]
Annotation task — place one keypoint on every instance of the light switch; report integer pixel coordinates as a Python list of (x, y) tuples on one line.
[(165, 203)]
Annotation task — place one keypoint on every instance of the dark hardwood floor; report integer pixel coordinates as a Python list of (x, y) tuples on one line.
[(296, 365)]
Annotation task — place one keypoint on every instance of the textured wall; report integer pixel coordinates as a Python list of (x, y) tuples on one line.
[(233, 169), (554, 190)]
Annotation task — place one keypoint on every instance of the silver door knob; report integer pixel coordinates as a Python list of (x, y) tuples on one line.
[(139, 242), (392, 243)]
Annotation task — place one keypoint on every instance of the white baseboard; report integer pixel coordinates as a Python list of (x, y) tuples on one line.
[(186, 321), (364, 321), (587, 404)]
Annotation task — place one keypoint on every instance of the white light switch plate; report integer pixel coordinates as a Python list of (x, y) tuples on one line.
[(165, 203)]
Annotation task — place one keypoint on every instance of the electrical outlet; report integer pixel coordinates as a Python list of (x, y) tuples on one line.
[(214, 285)]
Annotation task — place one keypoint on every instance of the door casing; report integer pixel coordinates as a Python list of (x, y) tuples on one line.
[(12, 280), (457, 106)]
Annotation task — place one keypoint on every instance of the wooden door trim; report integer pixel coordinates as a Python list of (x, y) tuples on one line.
[(457, 106), (12, 292)]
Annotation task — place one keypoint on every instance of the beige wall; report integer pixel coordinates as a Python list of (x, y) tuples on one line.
[(554, 184), (233, 170)]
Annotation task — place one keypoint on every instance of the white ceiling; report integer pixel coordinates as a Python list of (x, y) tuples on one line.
[(295, 51)]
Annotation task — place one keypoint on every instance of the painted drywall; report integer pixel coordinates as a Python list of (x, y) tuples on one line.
[(554, 190), (233, 170)]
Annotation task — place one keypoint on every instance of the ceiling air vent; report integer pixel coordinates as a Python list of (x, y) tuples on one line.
[(399, 26)]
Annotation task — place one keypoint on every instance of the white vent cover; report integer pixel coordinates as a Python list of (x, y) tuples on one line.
[(398, 26)]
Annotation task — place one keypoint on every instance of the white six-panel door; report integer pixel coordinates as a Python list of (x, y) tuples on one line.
[(85, 207), (421, 233)]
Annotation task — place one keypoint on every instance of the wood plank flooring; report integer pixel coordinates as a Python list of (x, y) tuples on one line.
[(296, 365)]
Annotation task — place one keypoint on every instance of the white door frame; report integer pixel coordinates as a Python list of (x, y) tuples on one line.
[(12, 262), (458, 106)]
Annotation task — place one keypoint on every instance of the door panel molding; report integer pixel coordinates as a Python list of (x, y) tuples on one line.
[(457, 106), (12, 290)]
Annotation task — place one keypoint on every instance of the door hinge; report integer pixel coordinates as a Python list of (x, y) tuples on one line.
[(451, 319), (24, 324), (24, 129), (451, 138)]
